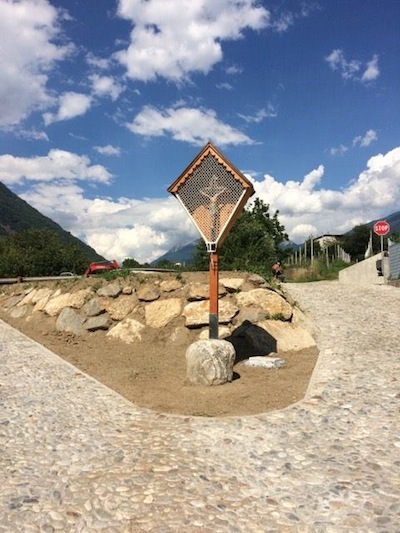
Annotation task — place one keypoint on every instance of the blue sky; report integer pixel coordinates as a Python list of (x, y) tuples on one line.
[(104, 103)]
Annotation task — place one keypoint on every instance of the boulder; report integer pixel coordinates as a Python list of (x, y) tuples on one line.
[(201, 291), (121, 307), (38, 295), (289, 337), (95, 323), (232, 284), (129, 330), (198, 313), (14, 300), (272, 303), (210, 362), (170, 285), (159, 314), (93, 307), (69, 320), (112, 290), (258, 281), (148, 294), (75, 300)]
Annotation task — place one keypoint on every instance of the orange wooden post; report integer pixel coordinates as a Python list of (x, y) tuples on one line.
[(214, 279)]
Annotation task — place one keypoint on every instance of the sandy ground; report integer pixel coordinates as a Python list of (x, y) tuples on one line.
[(152, 373)]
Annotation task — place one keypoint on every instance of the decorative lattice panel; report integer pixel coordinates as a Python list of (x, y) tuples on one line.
[(213, 193), (210, 196)]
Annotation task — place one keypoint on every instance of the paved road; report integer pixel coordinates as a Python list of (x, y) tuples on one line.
[(76, 457)]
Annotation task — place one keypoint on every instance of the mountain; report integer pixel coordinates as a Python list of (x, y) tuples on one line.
[(178, 254), (17, 215), (393, 220)]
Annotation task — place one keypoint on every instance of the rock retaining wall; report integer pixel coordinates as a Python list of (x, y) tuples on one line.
[(250, 310)]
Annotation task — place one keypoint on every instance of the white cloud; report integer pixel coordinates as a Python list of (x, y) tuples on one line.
[(260, 115), (302, 205), (365, 140), (348, 69), (117, 229), (351, 69), (108, 150), (58, 164), (146, 229), (105, 86), (71, 105), (195, 126), (372, 70), (198, 26), (28, 51), (340, 150)]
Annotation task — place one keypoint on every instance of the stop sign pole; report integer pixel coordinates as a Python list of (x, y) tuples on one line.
[(381, 228)]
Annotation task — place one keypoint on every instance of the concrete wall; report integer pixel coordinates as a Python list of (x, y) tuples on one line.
[(394, 260), (365, 273)]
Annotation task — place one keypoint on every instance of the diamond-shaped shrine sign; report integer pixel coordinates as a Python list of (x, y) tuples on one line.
[(213, 192)]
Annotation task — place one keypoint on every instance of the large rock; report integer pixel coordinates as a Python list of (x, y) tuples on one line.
[(148, 294), (198, 313), (95, 323), (159, 314), (289, 337), (121, 307), (75, 300), (94, 307), (232, 284), (69, 320), (210, 362), (170, 285), (35, 295), (272, 303), (129, 330), (201, 291), (112, 290)]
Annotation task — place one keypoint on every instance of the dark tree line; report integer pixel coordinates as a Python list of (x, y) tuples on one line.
[(37, 252), (253, 244)]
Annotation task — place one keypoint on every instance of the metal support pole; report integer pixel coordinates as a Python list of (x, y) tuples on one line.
[(214, 279)]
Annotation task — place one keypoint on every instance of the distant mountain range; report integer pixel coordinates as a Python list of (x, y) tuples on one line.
[(17, 215), (184, 254), (393, 220)]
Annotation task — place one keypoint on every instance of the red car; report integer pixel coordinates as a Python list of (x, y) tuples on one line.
[(101, 266)]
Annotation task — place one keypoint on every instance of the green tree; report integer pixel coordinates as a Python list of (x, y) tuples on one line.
[(253, 244), (130, 263), (356, 241), (36, 252)]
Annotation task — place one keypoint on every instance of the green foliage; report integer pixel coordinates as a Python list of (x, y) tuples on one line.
[(253, 244), (130, 263), (164, 263), (356, 241), (37, 252), (316, 271)]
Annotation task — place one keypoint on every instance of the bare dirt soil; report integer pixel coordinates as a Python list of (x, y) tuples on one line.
[(152, 373)]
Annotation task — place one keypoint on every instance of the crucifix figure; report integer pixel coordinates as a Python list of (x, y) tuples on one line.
[(212, 192)]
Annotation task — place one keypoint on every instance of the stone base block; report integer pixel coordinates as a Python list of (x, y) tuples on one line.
[(210, 362)]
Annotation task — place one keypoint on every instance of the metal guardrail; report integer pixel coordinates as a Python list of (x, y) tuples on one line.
[(21, 279)]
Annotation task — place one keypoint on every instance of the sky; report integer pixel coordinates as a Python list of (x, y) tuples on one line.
[(104, 103)]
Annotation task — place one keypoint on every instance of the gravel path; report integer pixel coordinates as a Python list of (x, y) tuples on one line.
[(77, 457)]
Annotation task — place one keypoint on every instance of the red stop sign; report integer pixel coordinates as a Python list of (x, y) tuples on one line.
[(381, 228)]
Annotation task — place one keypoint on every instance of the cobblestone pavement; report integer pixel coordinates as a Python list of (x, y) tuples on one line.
[(76, 457)]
